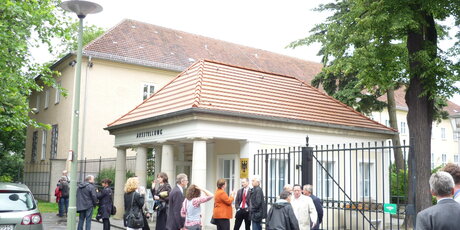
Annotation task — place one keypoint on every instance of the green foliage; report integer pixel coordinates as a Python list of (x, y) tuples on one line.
[(48, 207), (110, 174), (14, 167), (399, 183), (90, 32), (23, 25)]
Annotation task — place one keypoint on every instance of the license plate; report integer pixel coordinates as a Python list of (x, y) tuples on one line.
[(6, 227)]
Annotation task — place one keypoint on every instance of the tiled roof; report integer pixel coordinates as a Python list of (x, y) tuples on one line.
[(145, 44), (400, 101), (149, 45), (214, 86)]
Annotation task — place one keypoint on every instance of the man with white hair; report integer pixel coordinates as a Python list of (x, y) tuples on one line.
[(257, 205), (304, 209), (288, 188), (444, 215)]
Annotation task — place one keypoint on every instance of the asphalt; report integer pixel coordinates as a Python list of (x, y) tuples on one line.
[(53, 222)]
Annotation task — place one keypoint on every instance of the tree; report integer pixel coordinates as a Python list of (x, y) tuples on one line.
[(90, 32), (23, 24), (387, 42)]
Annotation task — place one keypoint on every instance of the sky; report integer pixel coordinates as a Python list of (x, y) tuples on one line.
[(265, 24)]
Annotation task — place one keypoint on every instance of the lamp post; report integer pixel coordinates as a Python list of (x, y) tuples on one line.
[(81, 8)]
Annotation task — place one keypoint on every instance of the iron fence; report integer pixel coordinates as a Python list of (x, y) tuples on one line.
[(41, 180), (358, 184)]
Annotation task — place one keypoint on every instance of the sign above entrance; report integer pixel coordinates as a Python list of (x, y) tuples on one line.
[(155, 132)]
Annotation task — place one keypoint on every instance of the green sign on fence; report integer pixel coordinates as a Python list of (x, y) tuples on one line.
[(390, 208)]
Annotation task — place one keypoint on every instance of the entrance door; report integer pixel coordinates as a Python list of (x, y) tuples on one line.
[(227, 171)]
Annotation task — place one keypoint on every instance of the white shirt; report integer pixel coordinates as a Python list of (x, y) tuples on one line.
[(245, 191), (304, 211)]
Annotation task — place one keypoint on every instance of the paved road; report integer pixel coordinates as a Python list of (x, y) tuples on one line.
[(53, 222)]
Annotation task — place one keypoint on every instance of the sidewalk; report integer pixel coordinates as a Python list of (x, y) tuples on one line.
[(53, 222)]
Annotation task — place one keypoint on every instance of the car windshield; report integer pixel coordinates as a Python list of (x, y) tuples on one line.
[(16, 201)]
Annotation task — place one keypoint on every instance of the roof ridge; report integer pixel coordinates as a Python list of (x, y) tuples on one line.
[(220, 40), (199, 84)]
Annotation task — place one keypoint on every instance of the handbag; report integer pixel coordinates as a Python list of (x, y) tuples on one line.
[(213, 221), (134, 219), (114, 210)]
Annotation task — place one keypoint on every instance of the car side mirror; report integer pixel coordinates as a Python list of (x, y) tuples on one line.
[(14, 197)]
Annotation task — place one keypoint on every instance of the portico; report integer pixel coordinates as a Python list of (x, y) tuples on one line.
[(213, 115)]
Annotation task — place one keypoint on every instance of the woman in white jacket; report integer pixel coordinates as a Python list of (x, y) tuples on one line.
[(304, 209)]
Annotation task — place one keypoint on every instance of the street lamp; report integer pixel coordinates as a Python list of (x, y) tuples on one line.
[(81, 8)]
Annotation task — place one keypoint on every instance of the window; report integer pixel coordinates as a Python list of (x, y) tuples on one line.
[(57, 95), (455, 136), (432, 160), (443, 133), (47, 98), (34, 146), (44, 137), (148, 90), (444, 159), (366, 179), (277, 176), (54, 141), (325, 183), (456, 159), (387, 123), (403, 127), (227, 167), (37, 103)]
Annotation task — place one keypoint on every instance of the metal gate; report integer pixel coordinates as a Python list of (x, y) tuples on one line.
[(358, 184)]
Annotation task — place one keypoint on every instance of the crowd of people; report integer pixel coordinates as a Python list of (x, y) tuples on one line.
[(178, 206)]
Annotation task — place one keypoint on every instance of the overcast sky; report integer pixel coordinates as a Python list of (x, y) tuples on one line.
[(264, 24)]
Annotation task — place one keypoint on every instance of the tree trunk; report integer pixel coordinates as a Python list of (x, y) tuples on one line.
[(421, 109), (399, 159)]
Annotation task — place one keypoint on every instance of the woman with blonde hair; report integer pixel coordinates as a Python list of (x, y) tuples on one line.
[(133, 203), (191, 209), (222, 212)]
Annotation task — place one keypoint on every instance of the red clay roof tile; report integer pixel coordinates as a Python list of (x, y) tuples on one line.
[(221, 87)]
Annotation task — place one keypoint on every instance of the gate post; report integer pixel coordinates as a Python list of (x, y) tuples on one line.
[(307, 165)]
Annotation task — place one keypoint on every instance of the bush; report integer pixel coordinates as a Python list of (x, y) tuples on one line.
[(110, 174)]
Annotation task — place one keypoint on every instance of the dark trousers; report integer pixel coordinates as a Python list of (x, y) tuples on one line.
[(256, 225), (223, 224), (161, 219), (242, 214), (63, 206), (106, 224), (85, 217)]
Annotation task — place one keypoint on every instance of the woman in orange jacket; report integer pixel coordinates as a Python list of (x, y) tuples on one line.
[(222, 212)]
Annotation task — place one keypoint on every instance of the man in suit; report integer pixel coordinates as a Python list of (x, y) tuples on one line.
[(454, 171), (257, 206), (444, 215), (175, 221), (308, 191), (242, 205)]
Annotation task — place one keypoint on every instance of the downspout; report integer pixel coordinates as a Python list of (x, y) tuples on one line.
[(83, 120)]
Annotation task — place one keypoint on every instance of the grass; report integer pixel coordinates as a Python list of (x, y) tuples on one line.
[(48, 207), (52, 207)]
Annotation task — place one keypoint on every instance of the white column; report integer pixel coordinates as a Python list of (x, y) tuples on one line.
[(167, 162), (210, 183), (199, 163), (120, 179), (141, 165), (181, 157), (157, 153)]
